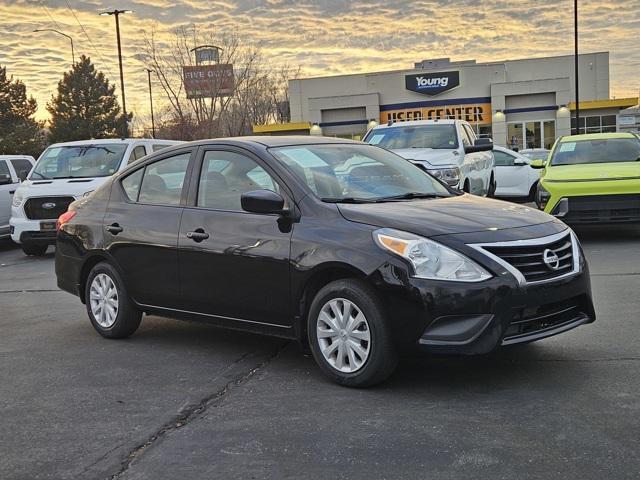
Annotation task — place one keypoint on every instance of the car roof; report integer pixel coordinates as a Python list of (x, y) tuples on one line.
[(508, 150), (17, 157), (417, 122), (596, 136), (124, 141), (276, 141)]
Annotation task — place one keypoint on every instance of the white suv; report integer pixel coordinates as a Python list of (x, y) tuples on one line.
[(11, 167), (447, 149), (63, 173)]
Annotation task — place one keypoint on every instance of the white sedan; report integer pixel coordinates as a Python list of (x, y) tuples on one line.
[(515, 177)]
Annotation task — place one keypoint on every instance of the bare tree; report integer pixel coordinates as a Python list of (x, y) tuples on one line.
[(255, 97)]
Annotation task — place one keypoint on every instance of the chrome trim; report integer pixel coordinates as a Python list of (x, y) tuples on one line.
[(540, 241)]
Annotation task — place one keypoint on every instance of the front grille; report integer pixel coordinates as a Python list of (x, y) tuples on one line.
[(603, 209), (531, 321), (528, 258), (34, 210)]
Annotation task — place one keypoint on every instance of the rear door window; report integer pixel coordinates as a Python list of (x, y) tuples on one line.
[(4, 172), (137, 153), (162, 181)]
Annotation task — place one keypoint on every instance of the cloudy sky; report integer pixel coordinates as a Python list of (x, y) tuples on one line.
[(324, 37)]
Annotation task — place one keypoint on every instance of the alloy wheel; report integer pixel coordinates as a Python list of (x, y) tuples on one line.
[(343, 335)]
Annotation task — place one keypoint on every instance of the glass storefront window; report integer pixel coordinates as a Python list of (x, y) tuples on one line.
[(538, 134), (595, 124)]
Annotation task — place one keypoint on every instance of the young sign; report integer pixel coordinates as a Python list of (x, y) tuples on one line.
[(432, 83)]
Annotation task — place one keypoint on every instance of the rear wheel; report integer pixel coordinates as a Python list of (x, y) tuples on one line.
[(35, 250), (111, 312), (349, 334), (532, 192)]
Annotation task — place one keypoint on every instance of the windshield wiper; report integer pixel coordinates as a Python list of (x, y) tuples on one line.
[(411, 195), (347, 200), (44, 177)]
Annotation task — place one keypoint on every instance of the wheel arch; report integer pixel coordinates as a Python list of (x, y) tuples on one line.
[(90, 262), (313, 283)]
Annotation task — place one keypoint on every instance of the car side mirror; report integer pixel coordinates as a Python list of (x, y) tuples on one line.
[(480, 145), (519, 162), (5, 179), (538, 163), (22, 175), (262, 201)]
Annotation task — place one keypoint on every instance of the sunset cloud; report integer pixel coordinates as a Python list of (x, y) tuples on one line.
[(324, 37)]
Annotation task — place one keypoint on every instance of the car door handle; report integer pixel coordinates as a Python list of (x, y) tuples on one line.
[(114, 229), (11, 192), (198, 235)]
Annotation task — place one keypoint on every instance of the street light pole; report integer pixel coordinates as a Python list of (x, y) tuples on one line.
[(575, 30), (73, 55), (153, 123), (116, 13)]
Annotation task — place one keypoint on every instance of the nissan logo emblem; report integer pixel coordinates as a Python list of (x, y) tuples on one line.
[(49, 205), (550, 259)]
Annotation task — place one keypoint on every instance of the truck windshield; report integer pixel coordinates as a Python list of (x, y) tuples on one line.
[(358, 173), (79, 161), (605, 150), (415, 136)]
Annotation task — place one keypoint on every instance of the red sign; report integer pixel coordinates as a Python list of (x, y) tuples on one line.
[(208, 80)]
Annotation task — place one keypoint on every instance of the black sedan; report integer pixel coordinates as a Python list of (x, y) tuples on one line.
[(345, 247)]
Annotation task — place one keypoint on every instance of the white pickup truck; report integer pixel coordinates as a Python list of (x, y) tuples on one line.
[(447, 149)]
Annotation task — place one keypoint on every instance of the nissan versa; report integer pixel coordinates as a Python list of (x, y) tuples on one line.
[(344, 246)]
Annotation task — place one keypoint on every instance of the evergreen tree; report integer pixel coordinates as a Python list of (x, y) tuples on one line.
[(85, 106), (20, 134)]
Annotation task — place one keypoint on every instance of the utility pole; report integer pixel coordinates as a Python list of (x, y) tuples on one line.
[(73, 55), (153, 123), (575, 55), (116, 13)]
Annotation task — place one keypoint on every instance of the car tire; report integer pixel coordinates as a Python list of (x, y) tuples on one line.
[(532, 192), (111, 312), (364, 353), (466, 188), (491, 193), (34, 250)]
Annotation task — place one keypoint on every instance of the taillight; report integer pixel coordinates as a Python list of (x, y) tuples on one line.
[(64, 218)]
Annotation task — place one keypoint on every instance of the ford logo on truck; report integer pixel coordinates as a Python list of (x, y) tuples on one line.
[(432, 83)]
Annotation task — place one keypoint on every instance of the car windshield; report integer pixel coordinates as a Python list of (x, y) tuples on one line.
[(79, 161), (357, 173), (605, 150), (415, 136), (535, 154)]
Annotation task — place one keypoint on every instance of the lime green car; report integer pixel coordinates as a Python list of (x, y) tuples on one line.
[(592, 178)]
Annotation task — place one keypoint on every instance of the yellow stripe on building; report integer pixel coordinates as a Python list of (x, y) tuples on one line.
[(610, 103)]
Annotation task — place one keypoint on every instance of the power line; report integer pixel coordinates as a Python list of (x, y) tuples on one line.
[(97, 52), (46, 9)]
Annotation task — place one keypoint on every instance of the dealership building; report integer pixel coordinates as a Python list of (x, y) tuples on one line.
[(523, 103)]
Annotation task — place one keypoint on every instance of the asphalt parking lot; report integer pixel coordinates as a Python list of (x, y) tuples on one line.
[(185, 400)]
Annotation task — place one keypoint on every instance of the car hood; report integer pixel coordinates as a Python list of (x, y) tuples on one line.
[(431, 157), (74, 187), (593, 172), (445, 216)]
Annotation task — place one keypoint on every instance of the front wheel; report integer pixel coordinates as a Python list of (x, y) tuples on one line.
[(491, 193), (111, 312), (349, 334)]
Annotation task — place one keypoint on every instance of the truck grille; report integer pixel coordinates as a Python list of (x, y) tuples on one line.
[(528, 257), (530, 322), (603, 209), (34, 208)]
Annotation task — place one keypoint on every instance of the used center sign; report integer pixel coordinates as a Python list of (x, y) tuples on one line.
[(207, 81), (477, 113), (432, 83)]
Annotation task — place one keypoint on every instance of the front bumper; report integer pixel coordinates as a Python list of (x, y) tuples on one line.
[(476, 318), (27, 231)]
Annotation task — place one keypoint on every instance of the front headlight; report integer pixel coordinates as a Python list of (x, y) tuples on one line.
[(430, 259), (451, 176), (542, 196), (17, 199)]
